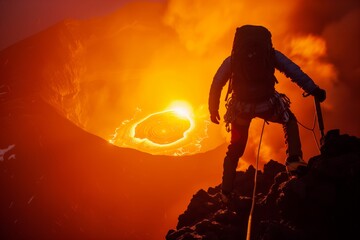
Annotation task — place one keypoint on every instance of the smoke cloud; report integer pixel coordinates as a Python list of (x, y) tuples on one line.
[(146, 55), (186, 41), (149, 54)]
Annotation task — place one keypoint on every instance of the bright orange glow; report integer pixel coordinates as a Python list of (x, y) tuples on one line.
[(182, 108), (177, 130), (180, 112), (178, 61), (162, 128)]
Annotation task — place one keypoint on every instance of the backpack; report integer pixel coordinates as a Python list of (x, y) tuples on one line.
[(252, 64)]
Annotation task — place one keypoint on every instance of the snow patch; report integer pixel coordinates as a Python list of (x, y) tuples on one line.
[(5, 150)]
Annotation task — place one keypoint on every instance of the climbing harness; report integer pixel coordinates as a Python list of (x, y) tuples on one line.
[(282, 106), (234, 108)]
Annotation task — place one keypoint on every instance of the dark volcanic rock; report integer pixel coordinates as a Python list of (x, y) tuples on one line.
[(323, 204)]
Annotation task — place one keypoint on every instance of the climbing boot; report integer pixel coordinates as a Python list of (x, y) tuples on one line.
[(296, 166)]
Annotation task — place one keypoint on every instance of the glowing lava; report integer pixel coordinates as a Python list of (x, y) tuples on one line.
[(173, 131), (163, 128)]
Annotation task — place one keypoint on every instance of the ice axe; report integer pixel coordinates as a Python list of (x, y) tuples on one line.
[(319, 117)]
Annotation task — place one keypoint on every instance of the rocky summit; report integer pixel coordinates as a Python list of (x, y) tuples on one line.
[(321, 204)]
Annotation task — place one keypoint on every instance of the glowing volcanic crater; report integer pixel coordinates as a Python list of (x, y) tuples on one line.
[(174, 131), (163, 128)]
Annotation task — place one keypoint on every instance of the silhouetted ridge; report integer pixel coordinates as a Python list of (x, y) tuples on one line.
[(323, 204)]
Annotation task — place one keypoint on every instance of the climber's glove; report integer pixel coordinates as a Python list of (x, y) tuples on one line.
[(319, 94)]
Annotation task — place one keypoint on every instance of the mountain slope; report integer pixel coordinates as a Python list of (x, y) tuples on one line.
[(61, 182)]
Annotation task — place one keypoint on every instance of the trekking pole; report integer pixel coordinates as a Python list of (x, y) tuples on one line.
[(320, 120)]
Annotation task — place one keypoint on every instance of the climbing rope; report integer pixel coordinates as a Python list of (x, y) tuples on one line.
[(257, 166), (255, 182)]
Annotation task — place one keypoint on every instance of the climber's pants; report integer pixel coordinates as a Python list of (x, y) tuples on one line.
[(239, 136)]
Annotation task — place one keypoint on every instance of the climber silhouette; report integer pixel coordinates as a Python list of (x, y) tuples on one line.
[(250, 71)]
